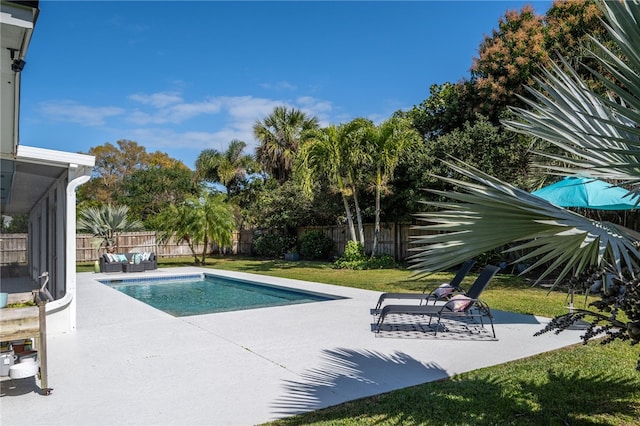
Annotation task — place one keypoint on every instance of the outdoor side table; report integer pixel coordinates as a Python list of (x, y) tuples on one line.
[(133, 267)]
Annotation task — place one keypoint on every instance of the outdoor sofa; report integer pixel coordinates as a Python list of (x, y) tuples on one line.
[(110, 262)]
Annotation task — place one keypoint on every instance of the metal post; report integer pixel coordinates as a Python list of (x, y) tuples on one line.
[(42, 347)]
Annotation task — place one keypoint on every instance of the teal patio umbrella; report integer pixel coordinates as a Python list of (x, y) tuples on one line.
[(587, 193)]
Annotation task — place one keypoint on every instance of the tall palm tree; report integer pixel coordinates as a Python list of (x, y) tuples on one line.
[(357, 160), (229, 168), (386, 144), (322, 155), (601, 138), (106, 223), (280, 134)]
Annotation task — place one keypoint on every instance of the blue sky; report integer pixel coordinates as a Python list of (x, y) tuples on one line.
[(179, 76)]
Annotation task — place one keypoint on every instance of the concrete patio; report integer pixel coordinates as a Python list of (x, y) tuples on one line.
[(129, 363)]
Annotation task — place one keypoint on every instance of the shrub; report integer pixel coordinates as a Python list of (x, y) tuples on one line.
[(315, 245), (381, 262), (272, 245), (353, 252), (354, 258)]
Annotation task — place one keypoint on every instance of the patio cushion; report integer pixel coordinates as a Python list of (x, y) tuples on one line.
[(443, 290), (460, 303)]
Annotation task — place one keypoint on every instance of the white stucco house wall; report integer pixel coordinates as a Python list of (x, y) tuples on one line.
[(35, 181)]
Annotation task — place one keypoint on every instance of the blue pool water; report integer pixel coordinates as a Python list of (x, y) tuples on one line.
[(196, 295)]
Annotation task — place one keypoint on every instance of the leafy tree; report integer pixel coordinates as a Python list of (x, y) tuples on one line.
[(269, 205), (106, 223), (201, 220), (411, 175), (113, 165), (599, 137), (569, 26), (15, 224), (484, 146), (508, 59), (150, 190), (479, 143), (229, 168), (511, 57), (280, 134), (386, 144), (448, 107)]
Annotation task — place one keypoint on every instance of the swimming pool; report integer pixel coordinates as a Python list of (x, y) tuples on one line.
[(205, 294)]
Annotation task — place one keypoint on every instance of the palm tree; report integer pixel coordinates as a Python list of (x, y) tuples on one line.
[(386, 144), (199, 221), (322, 156), (357, 160), (107, 223), (280, 135), (229, 168), (600, 137)]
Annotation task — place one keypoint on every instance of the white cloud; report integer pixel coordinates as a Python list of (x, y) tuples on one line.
[(158, 100), (175, 114), (235, 116), (164, 121), (171, 141), (316, 107), (74, 112), (248, 108)]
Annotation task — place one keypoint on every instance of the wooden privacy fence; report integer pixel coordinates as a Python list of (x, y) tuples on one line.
[(394, 240), (13, 248), (146, 241)]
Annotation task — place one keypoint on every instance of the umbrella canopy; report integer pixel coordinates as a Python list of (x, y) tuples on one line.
[(586, 193)]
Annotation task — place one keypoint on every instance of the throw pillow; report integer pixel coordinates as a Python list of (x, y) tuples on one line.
[(459, 303), (122, 258), (443, 291)]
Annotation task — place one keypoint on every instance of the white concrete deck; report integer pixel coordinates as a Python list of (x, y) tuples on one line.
[(129, 363)]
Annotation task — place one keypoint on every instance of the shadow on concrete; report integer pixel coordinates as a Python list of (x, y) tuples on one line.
[(18, 387), (562, 398), (347, 374)]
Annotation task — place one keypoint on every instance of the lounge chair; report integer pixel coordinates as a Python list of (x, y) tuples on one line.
[(459, 306), (443, 292)]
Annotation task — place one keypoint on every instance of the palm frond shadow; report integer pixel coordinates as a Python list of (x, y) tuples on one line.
[(560, 399), (348, 374)]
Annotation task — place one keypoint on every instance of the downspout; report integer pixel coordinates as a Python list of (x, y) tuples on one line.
[(68, 302)]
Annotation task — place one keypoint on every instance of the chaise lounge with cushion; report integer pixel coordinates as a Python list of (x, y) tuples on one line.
[(461, 307), (443, 292)]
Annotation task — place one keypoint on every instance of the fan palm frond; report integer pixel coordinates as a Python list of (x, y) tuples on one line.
[(487, 213)]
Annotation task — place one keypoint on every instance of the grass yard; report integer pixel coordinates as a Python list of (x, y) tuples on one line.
[(580, 385)]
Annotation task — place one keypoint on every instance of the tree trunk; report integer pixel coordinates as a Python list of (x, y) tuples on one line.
[(204, 251), (358, 216), (376, 229), (347, 210), (193, 251)]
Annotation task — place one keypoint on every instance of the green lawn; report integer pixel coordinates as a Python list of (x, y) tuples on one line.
[(580, 385)]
